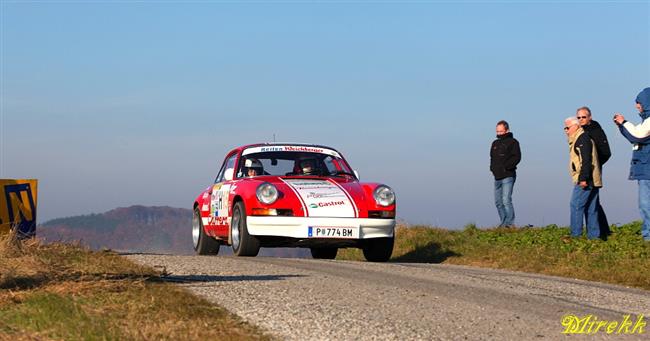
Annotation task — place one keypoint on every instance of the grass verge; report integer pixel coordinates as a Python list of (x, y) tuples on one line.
[(623, 259), (62, 291)]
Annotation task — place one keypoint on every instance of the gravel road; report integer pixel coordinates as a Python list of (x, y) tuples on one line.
[(307, 299)]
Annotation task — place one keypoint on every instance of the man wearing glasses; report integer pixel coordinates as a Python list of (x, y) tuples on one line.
[(585, 173), (596, 133)]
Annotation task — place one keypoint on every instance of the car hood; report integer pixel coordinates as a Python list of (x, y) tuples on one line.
[(325, 197)]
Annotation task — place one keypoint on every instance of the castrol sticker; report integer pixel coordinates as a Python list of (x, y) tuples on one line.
[(321, 198)]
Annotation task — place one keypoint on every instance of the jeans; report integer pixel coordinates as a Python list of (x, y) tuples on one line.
[(602, 220), (583, 203), (503, 200), (644, 208)]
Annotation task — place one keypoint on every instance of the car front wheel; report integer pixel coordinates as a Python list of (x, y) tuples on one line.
[(203, 244), (243, 244), (378, 249)]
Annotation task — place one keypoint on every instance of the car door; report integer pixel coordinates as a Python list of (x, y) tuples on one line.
[(219, 215)]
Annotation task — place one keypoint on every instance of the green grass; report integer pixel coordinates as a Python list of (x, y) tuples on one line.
[(623, 259), (58, 316), (61, 291)]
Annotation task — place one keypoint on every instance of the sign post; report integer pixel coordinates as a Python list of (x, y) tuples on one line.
[(18, 206)]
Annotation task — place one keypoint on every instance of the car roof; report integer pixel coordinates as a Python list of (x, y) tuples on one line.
[(284, 144)]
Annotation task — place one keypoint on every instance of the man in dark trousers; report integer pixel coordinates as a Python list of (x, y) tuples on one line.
[(504, 157), (585, 174), (596, 133)]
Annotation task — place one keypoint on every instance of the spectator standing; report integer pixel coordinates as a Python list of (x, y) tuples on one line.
[(596, 133), (504, 158), (585, 173), (639, 136)]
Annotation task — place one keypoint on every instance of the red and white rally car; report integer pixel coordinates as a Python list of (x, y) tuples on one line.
[(293, 195)]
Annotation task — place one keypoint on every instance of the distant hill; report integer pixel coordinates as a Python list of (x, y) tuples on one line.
[(161, 229), (135, 228)]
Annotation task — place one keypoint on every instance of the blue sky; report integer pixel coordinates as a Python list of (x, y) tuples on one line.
[(117, 103)]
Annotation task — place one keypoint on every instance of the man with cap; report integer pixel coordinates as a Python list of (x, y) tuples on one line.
[(639, 136)]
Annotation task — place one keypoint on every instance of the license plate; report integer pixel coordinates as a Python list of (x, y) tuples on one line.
[(351, 232)]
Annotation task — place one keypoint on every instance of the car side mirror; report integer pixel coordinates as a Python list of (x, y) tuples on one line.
[(227, 175), (356, 174)]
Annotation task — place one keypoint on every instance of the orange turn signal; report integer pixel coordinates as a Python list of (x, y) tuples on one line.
[(264, 211)]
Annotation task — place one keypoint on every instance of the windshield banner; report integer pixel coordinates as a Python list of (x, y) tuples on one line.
[(303, 149)]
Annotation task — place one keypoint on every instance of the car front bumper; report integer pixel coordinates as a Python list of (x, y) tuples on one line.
[(298, 227)]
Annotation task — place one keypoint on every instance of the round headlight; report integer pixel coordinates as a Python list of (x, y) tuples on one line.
[(267, 193), (384, 195)]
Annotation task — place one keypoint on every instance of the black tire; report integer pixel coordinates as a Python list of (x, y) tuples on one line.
[(378, 249), (324, 252), (246, 245), (203, 244)]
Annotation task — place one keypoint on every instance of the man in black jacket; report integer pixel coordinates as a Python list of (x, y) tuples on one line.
[(596, 133), (504, 157)]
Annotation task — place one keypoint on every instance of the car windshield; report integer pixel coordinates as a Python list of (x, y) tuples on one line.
[(258, 162)]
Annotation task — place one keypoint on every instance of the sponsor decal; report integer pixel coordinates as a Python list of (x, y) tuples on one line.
[(291, 149), (219, 200), (327, 204), (316, 195), (272, 149), (303, 149), (322, 198), (218, 220)]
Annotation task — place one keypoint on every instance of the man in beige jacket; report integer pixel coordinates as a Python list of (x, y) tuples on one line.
[(585, 173)]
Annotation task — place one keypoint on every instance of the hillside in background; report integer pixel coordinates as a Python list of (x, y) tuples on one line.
[(160, 229), (135, 228)]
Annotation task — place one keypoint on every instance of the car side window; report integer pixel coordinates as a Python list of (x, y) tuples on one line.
[(220, 174), (329, 164), (229, 163)]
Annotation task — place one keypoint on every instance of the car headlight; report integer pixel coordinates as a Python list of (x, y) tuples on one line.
[(384, 195), (267, 193)]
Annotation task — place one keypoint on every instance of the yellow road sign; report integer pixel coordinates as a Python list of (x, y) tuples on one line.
[(18, 205)]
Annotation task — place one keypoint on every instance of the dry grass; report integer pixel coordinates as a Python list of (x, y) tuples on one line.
[(28, 264), (62, 291)]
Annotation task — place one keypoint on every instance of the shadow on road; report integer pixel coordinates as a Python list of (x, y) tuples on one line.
[(215, 278), (429, 253)]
